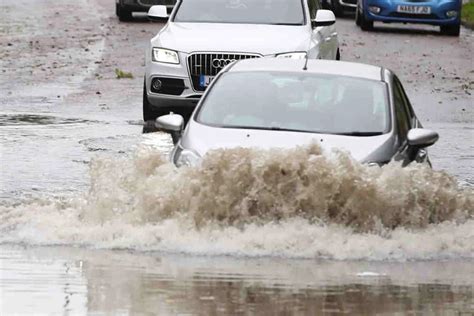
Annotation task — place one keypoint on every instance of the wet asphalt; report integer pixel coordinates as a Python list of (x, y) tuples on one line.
[(61, 103)]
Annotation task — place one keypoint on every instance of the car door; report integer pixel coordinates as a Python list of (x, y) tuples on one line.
[(323, 38)]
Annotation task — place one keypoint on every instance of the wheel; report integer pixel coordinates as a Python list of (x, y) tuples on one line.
[(337, 8), (123, 14), (451, 30), (150, 113), (338, 54), (365, 25), (357, 17)]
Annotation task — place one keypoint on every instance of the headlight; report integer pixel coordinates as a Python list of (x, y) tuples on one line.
[(186, 157), (165, 56), (452, 14), (295, 55)]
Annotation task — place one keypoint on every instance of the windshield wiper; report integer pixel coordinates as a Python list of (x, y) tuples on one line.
[(360, 133)]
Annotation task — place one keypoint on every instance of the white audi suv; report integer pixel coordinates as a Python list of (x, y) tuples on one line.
[(203, 36)]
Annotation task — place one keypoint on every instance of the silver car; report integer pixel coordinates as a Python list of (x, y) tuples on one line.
[(267, 103), (203, 36)]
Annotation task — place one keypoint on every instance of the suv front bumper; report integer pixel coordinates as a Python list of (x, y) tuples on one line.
[(187, 97)]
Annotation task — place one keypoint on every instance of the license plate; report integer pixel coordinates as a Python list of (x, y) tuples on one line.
[(414, 9), (204, 81)]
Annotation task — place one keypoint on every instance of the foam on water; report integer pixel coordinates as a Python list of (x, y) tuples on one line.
[(294, 203)]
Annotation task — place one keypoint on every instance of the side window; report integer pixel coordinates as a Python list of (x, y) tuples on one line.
[(406, 102), (403, 120), (313, 6)]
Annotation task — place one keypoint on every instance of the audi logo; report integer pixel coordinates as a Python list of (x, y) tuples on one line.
[(221, 62)]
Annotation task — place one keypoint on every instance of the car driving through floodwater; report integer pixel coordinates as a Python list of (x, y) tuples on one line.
[(267, 103)]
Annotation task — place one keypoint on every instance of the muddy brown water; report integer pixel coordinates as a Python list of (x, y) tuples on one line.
[(61, 107)]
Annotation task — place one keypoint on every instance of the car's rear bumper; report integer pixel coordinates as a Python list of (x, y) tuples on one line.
[(437, 16)]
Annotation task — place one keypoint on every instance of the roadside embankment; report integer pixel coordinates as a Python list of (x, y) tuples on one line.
[(467, 14)]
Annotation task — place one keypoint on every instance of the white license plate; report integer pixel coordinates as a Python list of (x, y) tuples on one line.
[(414, 9), (204, 81)]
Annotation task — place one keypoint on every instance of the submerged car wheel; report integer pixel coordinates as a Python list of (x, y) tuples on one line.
[(357, 17), (451, 30), (123, 14)]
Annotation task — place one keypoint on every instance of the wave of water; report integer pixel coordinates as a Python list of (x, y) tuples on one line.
[(246, 202)]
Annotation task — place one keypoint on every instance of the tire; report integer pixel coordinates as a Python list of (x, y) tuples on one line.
[(123, 14), (337, 8), (451, 30), (357, 17), (365, 25), (338, 54)]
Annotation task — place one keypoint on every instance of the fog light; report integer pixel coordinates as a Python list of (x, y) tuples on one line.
[(157, 85), (452, 14), (374, 9)]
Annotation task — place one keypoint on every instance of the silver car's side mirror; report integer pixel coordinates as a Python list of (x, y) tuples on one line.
[(421, 137), (172, 124), (323, 18), (158, 12)]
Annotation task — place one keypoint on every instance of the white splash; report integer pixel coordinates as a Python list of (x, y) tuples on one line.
[(289, 203)]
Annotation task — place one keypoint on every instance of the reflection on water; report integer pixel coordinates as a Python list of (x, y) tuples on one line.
[(61, 280)]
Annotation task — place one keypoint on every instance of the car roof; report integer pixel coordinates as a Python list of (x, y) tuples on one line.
[(329, 67)]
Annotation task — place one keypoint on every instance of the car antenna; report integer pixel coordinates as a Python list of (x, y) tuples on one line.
[(305, 67)]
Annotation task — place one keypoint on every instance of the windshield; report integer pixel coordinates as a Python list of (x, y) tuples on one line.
[(300, 102), (284, 12)]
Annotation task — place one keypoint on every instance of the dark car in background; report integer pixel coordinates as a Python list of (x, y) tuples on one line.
[(339, 7), (124, 8)]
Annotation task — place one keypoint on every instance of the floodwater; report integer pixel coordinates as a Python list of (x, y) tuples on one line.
[(94, 220)]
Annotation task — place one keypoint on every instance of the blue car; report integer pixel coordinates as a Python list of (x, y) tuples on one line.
[(445, 13)]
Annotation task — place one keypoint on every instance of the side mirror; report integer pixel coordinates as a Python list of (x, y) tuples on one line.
[(323, 18), (421, 137), (158, 13), (172, 124)]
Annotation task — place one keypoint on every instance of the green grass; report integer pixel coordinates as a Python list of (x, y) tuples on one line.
[(467, 13), (122, 74)]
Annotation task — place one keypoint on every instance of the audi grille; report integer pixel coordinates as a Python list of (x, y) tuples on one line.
[(209, 64)]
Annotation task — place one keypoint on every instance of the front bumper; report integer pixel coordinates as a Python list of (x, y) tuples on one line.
[(172, 86), (389, 14), (348, 4), (188, 98)]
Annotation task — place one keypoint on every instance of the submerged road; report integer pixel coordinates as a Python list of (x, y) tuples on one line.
[(61, 105)]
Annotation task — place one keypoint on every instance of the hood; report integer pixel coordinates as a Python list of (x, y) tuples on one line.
[(202, 138), (244, 38)]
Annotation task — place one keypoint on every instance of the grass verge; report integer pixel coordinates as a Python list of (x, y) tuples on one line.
[(467, 14)]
